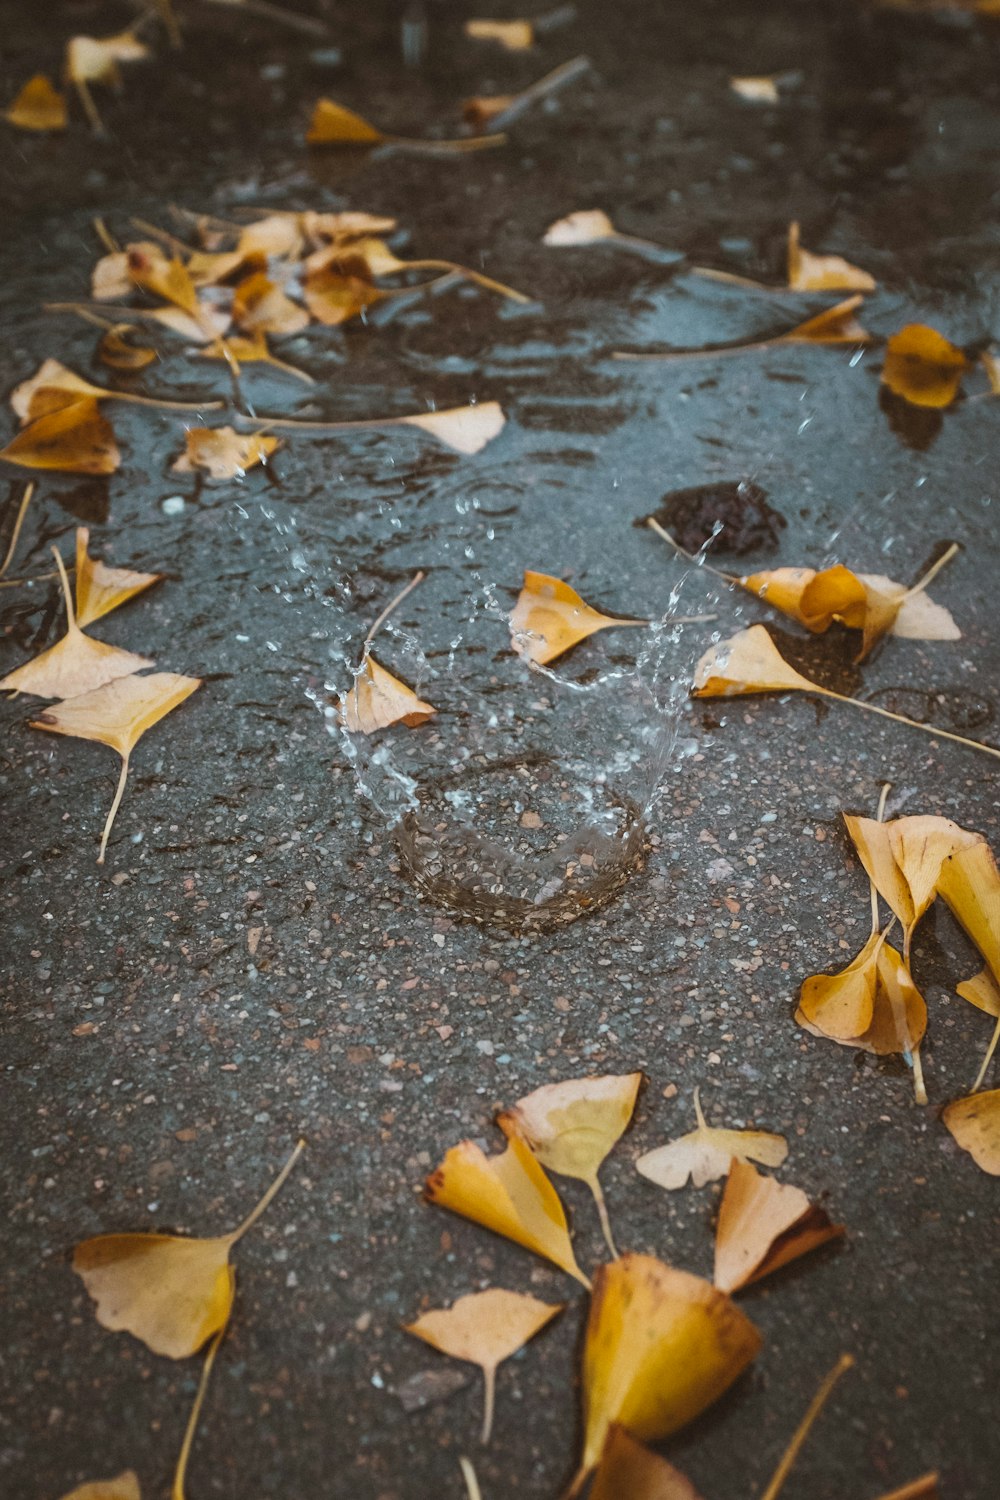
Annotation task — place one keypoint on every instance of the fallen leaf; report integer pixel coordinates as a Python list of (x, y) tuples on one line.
[(661, 1345), (975, 1124), (757, 89), (509, 1194), (705, 1153), (124, 1486), (837, 325), (261, 306), (334, 125), (584, 227), (334, 297), (76, 663), (762, 1226), (871, 839), (379, 699), (572, 1126), (117, 351), (481, 110), (92, 59), (180, 1471), (515, 36), (100, 589), (118, 714), (223, 452), (841, 1005), (163, 276), (39, 106), (923, 367), (822, 273), (53, 388), (990, 362), (969, 882), (920, 846), (370, 257), (982, 991), (76, 439), (550, 618), (485, 1328), (466, 429), (868, 602), (172, 1292), (238, 351), (628, 1470)]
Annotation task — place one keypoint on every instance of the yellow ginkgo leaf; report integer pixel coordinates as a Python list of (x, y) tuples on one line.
[(171, 1292), (841, 1005), (969, 882), (100, 589), (379, 699), (53, 388), (705, 1154), (822, 273), (661, 1345), (223, 452), (39, 106), (758, 88), (762, 1226), (584, 227), (485, 1328), (982, 991), (572, 1126), (749, 662), (124, 1486), (628, 1470), (923, 367), (261, 306), (76, 439), (920, 846), (118, 715), (334, 125), (509, 1194), (336, 296), (76, 663), (550, 618), (837, 325), (466, 429), (975, 1124), (91, 59), (516, 36), (117, 350), (871, 840)]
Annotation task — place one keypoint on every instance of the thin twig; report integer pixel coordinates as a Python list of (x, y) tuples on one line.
[(813, 1410)]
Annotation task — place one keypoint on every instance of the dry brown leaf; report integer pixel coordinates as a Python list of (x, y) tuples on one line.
[(76, 663), (509, 1194), (261, 306), (379, 699), (124, 1486), (485, 1328), (550, 618), (76, 439), (172, 1292), (572, 1126), (100, 589), (515, 36), (975, 1124), (822, 273), (223, 452), (762, 1226), (923, 367), (661, 1345), (39, 106), (837, 325), (759, 88), (117, 351), (705, 1153), (628, 1470)]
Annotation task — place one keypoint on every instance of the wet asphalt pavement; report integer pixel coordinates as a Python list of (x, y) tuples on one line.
[(252, 964)]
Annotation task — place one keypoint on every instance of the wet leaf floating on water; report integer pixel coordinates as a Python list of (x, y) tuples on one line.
[(377, 698), (39, 106), (705, 1153), (172, 1292), (822, 273), (238, 351), (53, 387), (100, 589), (334, 125), (550, 618), (762, 1226), (76, 663), (974, 1122), (749, 662), (759, 88), (572, 1126), (465, 429), (118, 715), (485, 1328), (372, 257), (515, 36), (223, 452), (124, 1486), (509, 1194), (661, 1346), (76, 439), (334, 297), (628, 1470), (923, 367), (835, 325), (92, 59), (261, 306)]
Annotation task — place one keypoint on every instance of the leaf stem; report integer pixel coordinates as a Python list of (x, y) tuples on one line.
[(813, 1410), (559, 78), (923, 1488), (931, 573), (180, 1473), (602, 1212), (29, 490), (885, 713), (698, 1112), (443, 148), (489, 1401), (472, 1483), (987, 1059), (71, 625), (116, 804), (691, 557), (269, 1196), (393, 604)]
